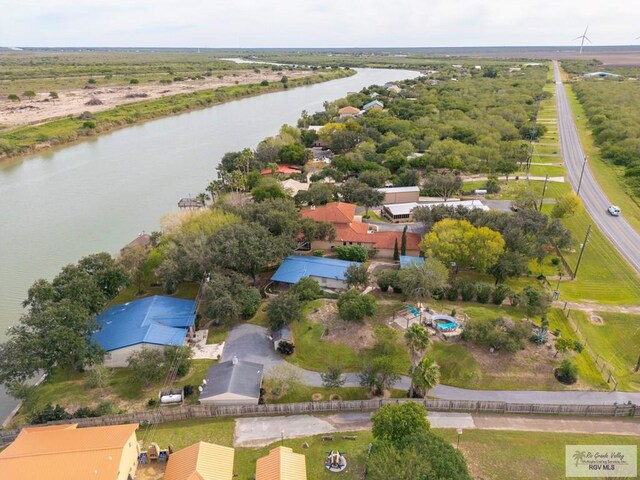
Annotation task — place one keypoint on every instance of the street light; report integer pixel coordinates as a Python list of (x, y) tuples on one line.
[(584, 164)]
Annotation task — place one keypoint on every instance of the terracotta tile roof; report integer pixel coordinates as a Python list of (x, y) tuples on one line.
[(284, 169), (334, 212), (349, 111), (281, 464), (201, 461), (357, 232), (64, 452)]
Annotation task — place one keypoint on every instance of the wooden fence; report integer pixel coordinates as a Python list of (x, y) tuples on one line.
[(171, 414)]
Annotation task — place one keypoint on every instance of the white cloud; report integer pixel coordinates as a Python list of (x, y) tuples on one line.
[(314, 23)]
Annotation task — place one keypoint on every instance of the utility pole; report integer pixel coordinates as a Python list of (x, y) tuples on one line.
[(586, 238), (584, 164), (544, 190)]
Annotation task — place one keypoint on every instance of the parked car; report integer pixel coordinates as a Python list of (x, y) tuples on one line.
[(614, 210)]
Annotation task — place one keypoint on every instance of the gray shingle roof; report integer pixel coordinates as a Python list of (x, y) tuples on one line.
[(235, 376)]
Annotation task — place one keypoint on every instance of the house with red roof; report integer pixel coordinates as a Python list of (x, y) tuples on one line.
[(350, 230), (282, 169)]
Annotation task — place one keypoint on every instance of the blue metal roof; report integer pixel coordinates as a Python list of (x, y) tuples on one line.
[(157, 320), (408, 261), (295, 267)]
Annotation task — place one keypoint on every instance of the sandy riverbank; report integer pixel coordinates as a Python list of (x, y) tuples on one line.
[(73, 102)]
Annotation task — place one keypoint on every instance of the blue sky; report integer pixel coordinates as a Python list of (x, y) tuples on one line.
[(312, 23)]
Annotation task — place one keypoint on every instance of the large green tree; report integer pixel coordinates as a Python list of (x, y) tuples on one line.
[(394, 422), (458, 241), (418, 282)]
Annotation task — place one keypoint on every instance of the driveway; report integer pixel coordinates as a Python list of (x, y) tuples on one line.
[(250, 343)]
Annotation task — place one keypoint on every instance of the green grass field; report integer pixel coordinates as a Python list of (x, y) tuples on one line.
[(617, 342), (490, 454), (604, 276), (502, 455), (551, 170), (608, 176)]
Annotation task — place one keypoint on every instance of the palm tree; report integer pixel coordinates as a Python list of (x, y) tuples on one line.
[(417, 339), (203, 197), (426, 375)]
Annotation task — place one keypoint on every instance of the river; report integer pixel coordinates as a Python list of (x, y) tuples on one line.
[(99, 194)]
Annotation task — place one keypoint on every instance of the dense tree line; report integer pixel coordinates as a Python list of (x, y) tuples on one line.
[(56, 329), (611, 107)]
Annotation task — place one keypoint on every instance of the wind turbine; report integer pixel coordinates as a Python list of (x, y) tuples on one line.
[(583, 37)]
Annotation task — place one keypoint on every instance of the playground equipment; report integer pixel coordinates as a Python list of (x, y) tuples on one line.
[(335, 461)]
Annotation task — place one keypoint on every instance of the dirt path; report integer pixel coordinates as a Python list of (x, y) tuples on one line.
[(608, 426), (596, 307), (73, 102)]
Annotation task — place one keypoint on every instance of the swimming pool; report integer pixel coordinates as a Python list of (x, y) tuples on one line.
[(444, 323)]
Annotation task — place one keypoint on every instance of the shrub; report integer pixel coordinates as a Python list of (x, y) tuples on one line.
[(567, 372), (134, 81), (492, 185), (555, 261), (264, 83), (98, 377), (467, 290), (13, 97), (178, 359), (178, 79), (353, 253), (89, 124), (318, 253), (352, 305), (49, 414), (307, 289), (188, 390), (249, 299), (92, 81), (29, 94), (451, 293), (386, 278), (500, 293), (577, 346), (152, 402), (498, 333), (484, 291)]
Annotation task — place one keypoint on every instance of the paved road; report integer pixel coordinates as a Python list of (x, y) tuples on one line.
[(616, 229), (571, 397)]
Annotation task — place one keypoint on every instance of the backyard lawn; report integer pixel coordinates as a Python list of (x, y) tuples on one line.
[(69, 389), (491, 454), (617, 341), (465, 365), (187, 290), (507, 455)]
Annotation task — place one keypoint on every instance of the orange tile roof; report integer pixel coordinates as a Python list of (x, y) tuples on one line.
[(284, 169), (349, 111), (281, 464), (67, 453), (357, 232), (334, 212), (201, 461)]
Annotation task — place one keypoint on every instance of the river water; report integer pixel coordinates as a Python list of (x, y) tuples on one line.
[(99, 194)]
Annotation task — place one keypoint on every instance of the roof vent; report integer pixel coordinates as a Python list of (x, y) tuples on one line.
[(234, 360)]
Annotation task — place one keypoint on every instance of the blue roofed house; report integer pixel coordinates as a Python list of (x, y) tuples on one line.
[(152, 322), (329, 272)]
